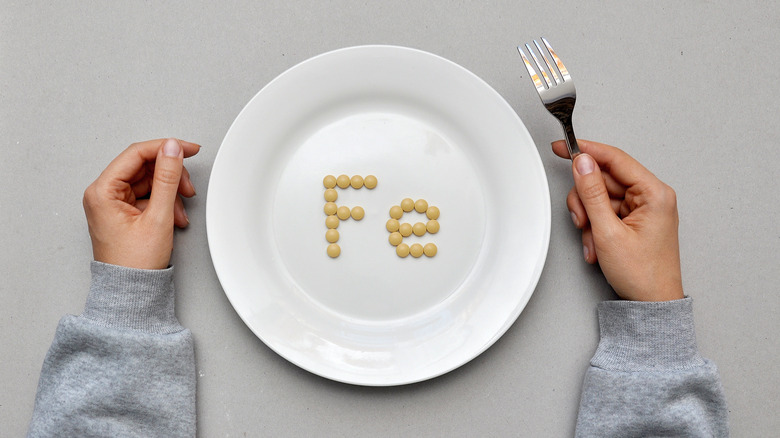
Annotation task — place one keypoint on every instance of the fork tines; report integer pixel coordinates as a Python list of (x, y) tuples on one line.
[(561, 69), (556, 90)]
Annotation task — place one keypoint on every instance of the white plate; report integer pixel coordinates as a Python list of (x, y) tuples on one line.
[(427, 128)]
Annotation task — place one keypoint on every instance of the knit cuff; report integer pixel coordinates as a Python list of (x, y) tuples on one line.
[(643, 336), (128, 298)]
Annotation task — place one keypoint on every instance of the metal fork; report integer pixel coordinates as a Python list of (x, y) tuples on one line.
[(558, 95)]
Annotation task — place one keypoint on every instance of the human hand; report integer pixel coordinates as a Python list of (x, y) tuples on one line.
[(629, 222), (127, 228)]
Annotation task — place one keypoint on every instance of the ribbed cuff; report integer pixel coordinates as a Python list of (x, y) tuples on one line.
[(128, 298), (642, 336)]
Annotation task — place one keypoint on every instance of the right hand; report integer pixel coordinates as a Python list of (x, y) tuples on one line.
[(629, 222)]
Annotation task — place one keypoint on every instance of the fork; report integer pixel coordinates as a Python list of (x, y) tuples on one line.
[(558, 95)]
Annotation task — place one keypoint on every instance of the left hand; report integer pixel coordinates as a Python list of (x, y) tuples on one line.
[(128, 229)]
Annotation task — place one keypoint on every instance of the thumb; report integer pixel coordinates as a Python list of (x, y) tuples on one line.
[(165, 185), (592, 191)]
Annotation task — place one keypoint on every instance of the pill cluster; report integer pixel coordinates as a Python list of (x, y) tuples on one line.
[(334, 213), (400, 230)]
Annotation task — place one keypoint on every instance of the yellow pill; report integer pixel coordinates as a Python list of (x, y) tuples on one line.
[(395, 238), (432, 226), (370, 181), (396, 212), (330, 208), (420, 205), (430, 250), (418, 229), (329, 181), (358, 213), (332, 221), (392, 225), (343, 213), (332, 236), (416, 250), (331, 195), (405, 229), (342, 181), (432, 212), (356, 181), (402, 250), (334, 250), (407, 204)]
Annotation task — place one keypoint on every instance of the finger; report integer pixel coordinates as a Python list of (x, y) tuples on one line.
[(624, 209), (578, 214), (560, 149), (186, 188), (141, 204), (143, 186), (622, 167), (577, 210), (190, 148), (616, 205), (165, 184), (593, 194), (148, 148), (615, 189), (145, 170), (180, 218), (589, 246), (129, 163)]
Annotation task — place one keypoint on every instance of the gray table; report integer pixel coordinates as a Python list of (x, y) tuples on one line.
[(689, 88)]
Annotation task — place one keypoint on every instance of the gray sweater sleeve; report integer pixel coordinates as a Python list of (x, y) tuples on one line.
[(124, 367), (647, 377)]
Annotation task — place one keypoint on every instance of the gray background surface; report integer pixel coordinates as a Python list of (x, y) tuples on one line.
[(689, 88)]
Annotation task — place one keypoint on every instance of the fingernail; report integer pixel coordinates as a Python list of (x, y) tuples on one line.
[(584, 164), (171, 148), (585, 252), (574, 219)]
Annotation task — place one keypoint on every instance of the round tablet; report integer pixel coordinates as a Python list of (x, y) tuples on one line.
[(342, 181), (358, 213), (421, 205), (395, 238), (332, 236), (392, 225), (418, 229), (343, 213), (416, 250), (334, 250), (329, 181), (370, 181), (432, 226), (396, 212), (407, 205), (330, 208), (402, 250), (432, 212), (430, 250), (356, 181), (332, 221), (331, 195), (405, 229)]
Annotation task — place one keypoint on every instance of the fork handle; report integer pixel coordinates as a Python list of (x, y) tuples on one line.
[(571, 140)]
